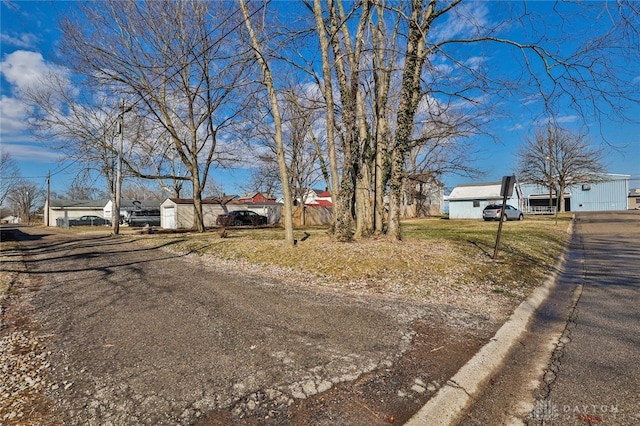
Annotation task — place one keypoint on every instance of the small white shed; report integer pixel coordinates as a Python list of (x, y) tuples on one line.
[(468, 200), (179, 213)]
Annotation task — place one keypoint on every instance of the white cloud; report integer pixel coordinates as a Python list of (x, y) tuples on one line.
[(568, 119), (24, 69), (465, 20), (23, 41), (475, 62), (13, 116), (30, 152)]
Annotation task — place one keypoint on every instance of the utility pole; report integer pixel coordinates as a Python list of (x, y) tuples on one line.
[(116, 205), (48, 203)]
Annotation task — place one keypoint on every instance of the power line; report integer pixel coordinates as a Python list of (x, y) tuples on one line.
[(53, 173)]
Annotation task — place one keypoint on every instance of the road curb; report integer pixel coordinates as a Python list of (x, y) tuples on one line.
[(449, 403)]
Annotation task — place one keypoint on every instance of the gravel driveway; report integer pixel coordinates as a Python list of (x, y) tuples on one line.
[(141, 335)]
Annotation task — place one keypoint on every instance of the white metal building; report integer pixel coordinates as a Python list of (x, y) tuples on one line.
[(468, 200)]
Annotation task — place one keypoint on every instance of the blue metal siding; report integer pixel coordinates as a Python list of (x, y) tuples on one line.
[(611, 194), (600, 196)]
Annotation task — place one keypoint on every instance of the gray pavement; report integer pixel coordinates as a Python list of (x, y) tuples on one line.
[(141, 335), (594, 374), (577, 361)]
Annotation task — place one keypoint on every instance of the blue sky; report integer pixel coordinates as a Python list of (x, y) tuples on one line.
[(29, 37)]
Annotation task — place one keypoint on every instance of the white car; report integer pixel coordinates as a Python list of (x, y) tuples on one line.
[(493, 211)]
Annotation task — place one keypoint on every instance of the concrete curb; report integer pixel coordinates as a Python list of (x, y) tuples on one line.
[(448, 404)]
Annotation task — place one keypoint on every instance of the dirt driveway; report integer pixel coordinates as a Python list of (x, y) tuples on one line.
[(140, 335)]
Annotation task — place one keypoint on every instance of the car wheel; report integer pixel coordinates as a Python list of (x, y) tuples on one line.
[(521, 217), (236, 223), (504, 218)]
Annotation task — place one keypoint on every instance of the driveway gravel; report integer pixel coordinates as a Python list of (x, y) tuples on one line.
[(123, 333)]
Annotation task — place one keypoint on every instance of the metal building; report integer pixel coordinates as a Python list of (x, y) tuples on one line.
[(604, 193), (467, 201)]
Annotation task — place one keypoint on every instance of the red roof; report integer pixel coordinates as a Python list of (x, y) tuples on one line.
[(320, 203)]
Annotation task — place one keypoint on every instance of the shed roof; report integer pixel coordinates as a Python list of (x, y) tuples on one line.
[(78, 204), (190, 201), (476, 191)]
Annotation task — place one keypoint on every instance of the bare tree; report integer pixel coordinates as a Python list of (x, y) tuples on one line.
[(303, 149), (83, 125), (176, 61), (558, 159), (441, 39), (9, 175), (265, 177), (141, 190), (83, 188), (339, 209), (353, 213), (277, 124), (25, 198)]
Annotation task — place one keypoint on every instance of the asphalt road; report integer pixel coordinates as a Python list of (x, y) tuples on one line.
[(579, 361), (140, 335)]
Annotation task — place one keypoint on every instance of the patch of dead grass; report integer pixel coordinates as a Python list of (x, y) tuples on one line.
[(445, 261)]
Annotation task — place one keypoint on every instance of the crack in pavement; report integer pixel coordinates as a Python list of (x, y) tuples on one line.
[(543, 409)]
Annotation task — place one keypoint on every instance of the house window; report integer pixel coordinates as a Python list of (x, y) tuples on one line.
[(476, 203), (586, 187)]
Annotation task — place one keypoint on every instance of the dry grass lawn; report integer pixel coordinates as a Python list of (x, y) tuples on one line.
[(440, 261)]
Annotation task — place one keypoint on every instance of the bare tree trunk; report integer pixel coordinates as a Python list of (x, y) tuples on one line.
[(364, 206), (277, 121), (363, 202), (381, 78), (198, 222), (331, 121), (409, 97), (347, 65)]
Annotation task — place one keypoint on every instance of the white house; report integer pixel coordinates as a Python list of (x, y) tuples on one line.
[(317, 198), (468, 200), (423, 196)]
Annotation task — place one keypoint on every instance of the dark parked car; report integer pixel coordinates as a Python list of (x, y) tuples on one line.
[(241, 217), (143, 218), (88, 221), (492, 212)]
